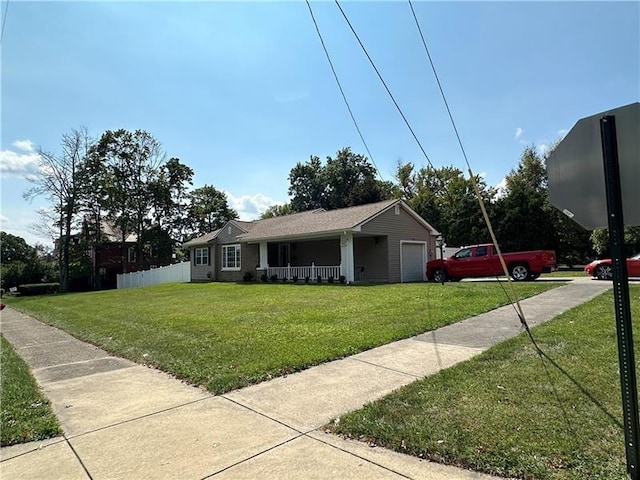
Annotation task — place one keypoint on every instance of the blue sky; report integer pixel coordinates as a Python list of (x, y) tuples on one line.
[(242, 91)]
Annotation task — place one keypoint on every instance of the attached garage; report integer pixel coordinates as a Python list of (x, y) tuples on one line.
[(413, 260)]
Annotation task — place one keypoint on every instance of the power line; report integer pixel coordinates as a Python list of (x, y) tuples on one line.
[(443, 185), (519, 312), (435, 73), (344, 97), (471, 176), (385, 86), (4, 19)]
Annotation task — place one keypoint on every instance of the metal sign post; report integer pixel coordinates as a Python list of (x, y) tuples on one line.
[(621, 294)]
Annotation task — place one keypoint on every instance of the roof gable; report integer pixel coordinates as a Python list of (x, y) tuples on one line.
[(202, 240)]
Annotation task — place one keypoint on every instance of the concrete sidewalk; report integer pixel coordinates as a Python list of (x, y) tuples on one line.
[(125, 421)]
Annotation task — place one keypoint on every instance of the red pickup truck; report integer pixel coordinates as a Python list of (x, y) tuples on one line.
[(481, 261)]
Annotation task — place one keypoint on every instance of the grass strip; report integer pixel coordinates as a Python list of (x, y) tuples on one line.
[(225, 336), (507, 412), (25, 414)]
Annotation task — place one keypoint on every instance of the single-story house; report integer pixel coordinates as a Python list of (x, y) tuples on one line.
[(377, 242)]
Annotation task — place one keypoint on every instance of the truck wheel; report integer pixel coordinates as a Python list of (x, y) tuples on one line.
[(520, 272), (604, 272), (440, 276)]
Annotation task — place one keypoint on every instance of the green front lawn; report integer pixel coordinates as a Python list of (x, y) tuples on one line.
[(225, 336), (508, 412), (25, 414)]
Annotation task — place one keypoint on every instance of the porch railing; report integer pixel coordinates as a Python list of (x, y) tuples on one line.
[(312, 271)]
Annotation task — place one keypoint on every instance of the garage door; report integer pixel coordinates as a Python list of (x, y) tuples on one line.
[(413, 262)]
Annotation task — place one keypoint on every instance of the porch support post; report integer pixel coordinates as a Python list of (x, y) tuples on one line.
[(264, 264), (346, 256)]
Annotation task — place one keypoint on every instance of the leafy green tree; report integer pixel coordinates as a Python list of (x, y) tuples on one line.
[(170, 203), (277, 211), (573, 244), (344, 181), (350, 180), (307, 185), (169, 195), (406, 186), (528, 221), (157, 244), (21, 263), (632, 239), (447, 200), (130, 162), (208, 210), (14, 248), (525, 214), (600, 241), (462, 215)]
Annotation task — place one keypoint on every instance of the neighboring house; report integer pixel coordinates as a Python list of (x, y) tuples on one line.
[(106, 258), (378, 242)]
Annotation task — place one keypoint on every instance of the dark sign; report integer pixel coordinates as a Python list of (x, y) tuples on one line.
[(576, 169)]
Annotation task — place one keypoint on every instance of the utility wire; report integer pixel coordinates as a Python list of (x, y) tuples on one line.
[(542, 354), (472, 178), (517, 307), (474, 183), (4, 19), (344, 97), (443, 185), (385, 85)]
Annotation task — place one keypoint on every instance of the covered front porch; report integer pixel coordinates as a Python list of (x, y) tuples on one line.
[(356, 258)]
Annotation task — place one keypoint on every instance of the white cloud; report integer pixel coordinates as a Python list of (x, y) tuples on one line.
[(21, 165), (518, 133), (250, 207), (501, 189), (24, 145)]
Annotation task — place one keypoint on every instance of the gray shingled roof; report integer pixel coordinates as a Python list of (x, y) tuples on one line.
[(203, 240), (313, 222)]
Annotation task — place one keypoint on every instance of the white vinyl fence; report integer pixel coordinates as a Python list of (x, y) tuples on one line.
[(180, 272)]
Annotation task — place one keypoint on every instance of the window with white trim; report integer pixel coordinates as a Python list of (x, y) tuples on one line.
[(231, 257), (201, 256)]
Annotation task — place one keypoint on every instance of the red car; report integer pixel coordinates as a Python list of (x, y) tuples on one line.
[(602, 269), (482, 261)]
